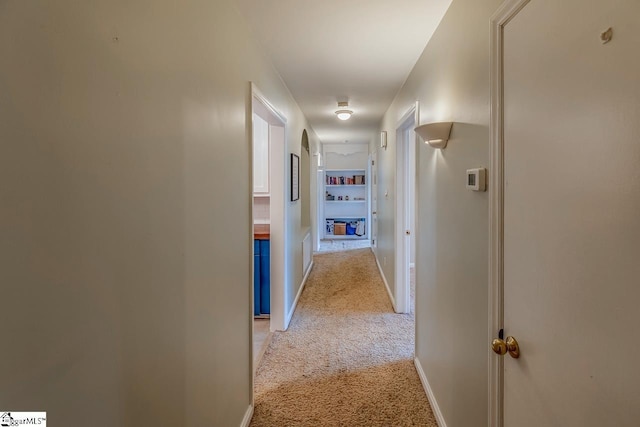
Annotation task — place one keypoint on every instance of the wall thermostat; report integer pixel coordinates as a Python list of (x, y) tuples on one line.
[(476, 179)]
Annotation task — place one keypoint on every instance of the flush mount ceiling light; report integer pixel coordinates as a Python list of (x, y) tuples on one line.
[(435, 134), (343, 113)]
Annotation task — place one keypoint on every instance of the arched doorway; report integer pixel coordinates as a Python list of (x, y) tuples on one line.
[(305, 182)]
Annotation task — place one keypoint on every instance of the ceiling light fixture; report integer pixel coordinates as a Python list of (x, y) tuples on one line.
[(343, 114)]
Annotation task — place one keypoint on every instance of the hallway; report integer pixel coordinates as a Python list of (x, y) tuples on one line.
[(495, 141), (347, 358)]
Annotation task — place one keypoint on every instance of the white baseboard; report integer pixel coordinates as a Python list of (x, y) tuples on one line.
[(287, 320), (247, 417), (430, 395), (386, 284)]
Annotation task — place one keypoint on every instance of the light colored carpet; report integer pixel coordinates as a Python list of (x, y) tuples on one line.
[(347, 359)]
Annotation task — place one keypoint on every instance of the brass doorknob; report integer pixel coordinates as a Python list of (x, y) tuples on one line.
[(511, 345)]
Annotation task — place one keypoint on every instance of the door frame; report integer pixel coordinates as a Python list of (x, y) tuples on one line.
[(501, 17), (320, 223), (373, 193), (277, 207), (405, 155)]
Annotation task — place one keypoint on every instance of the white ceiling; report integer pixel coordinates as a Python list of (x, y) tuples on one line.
[(330, 50)]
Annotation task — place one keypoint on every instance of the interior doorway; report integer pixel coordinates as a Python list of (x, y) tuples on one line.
[(268, 203), (405, 208), (374, 199)]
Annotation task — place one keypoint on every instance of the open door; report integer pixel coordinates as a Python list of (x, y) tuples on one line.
[(405, 207), (374, 200), (566, 214)]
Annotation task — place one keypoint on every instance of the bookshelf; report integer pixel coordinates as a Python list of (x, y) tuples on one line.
[(345, 204)]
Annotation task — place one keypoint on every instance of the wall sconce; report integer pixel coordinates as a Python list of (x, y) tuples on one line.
[(435, 134)]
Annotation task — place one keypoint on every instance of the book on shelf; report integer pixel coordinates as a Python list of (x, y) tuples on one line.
[(345, 180)]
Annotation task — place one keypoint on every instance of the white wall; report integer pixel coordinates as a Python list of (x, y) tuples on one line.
[(296, 232), (125, 167), (451, 82), (261, 214), (345, 156)]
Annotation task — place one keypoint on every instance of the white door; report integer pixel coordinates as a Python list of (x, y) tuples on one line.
[(374, 200), (572, 213), (405, 196)]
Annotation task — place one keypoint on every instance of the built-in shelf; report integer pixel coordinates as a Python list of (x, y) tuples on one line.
[(347, 216), (344, 237)]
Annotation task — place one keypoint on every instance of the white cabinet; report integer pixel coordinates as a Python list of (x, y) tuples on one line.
[(260, 156), (345, 203)]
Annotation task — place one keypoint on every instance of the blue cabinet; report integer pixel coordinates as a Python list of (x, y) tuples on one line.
[(261, 277), (256, 277)]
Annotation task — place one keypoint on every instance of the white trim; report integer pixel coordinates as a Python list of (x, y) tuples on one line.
[(247, 417), (496, 207), (386, 284), (368, 187), (320, 223), (373, 192), (432, 398), (265, 101), (405, 149), (279, 236), (411, 112), (295, 302)]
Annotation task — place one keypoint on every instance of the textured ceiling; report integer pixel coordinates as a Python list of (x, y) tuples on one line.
[(330, 50)]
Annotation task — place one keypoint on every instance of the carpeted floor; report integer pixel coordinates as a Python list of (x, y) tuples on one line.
[(347, 359)]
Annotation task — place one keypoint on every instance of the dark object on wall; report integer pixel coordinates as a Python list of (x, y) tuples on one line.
[(295, 177)]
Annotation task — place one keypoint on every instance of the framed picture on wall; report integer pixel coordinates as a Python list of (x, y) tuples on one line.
[(295, 177)]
